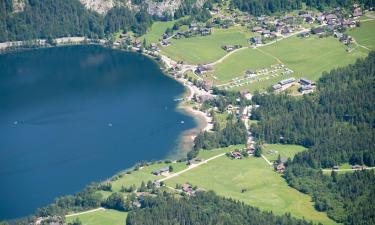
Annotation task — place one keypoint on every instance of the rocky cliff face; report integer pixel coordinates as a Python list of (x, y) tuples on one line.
[(154, 7)]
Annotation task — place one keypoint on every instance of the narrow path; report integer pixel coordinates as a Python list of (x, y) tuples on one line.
[(269, 163), (190, 167), (84, 212)]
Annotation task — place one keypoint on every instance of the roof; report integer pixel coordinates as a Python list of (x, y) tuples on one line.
[(287, 81), (306, 81)]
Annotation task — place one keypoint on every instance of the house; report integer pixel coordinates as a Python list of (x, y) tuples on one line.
[(337, 34), (266, 33), (257, 29), (228, 48), (317, 31), (156, 184), (287, 82), (304, 34), (236, 155), (202, 68), (165, 42), (256, 40), (331, 17), (304, 81), (346, 39), (187, 188), (280, 168), (160, 171), (306, 89), (335, 167), (207, 85), (205, 31), (276, 87), (199, 159), (357, 11)]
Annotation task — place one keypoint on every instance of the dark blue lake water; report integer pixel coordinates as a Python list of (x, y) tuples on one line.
[(73, 115)]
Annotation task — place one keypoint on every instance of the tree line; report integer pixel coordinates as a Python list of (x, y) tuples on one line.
[(337, 125)]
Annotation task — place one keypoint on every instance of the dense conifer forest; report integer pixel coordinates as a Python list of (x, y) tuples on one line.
[(337, 125), (204, 208), (260, 7)]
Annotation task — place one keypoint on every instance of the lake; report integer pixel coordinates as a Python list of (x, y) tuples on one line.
[(73, 115)]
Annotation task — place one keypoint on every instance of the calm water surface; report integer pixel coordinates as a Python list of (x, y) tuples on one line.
[(73, 115)]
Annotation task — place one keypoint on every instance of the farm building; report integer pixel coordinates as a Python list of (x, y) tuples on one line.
[(160, 171)]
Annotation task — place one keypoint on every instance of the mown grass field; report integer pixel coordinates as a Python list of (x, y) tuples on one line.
[(285, 151), (307, 57), (365, 34), (107, 216), (144, 174), (206, 49), (236, 64), (265, 188), (157, 30)]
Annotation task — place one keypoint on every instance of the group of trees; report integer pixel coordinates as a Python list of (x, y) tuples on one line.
[(204, 208), (260, 7), (337, 125), (60, 18)]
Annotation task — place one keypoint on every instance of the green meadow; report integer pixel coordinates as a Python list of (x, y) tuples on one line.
[(236, 64), (285, 151), (206, 49), (157, 30), (263, 187), (107, 216), (307, 57), (365, 34)]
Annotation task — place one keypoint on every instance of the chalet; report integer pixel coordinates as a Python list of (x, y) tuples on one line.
[(304, 81), (187, 188), (304, 34), (266, 33), (160, 171), (236, 155), (357, 11), (317, 31), (256, 40), (331, 17), (321, 18), (207, 85), (156, 183), (287, 82), (137, 43), (204, 97), (346, 39), (154, 47), (229, 48), (202, 68), (165, 42), (335, 167), (348, 23), (205, 31), (250, 151), (257, 29), (165, 36), (193, 26), (280, 168), (337, 34)]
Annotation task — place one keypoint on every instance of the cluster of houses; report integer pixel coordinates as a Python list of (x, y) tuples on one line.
[(239, 154)]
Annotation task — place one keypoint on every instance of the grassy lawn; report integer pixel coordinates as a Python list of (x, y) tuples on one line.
[(365, 34), (309, 57), (206, 49), (144, 174), (157, 30), (108, 216), (265, 188), (285, 151), (239, 62)]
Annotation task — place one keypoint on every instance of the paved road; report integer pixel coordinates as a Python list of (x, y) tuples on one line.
[(269, 163)]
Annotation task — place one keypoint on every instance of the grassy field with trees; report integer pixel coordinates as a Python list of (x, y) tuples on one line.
[(364, 35), (107, 216), (206, 49), (252, 181)]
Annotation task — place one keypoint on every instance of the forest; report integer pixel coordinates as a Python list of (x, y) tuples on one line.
[(337, 125), (260, 7), (203, 208)]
